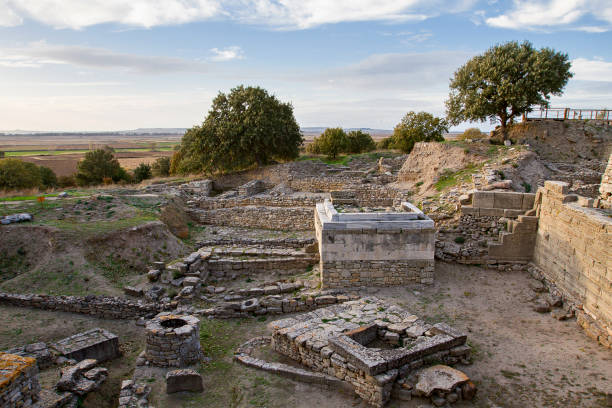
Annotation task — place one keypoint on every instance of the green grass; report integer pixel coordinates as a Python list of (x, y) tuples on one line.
[(101, 226), (450, 179), (71, 193)]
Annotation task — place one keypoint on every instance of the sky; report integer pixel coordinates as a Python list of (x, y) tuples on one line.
[(74, 65)]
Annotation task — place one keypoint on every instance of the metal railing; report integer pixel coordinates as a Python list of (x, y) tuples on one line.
[(569, 114)]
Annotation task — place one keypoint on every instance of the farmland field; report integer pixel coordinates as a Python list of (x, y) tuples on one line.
[(61, 153)]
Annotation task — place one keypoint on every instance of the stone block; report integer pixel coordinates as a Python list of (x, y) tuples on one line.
[(98, 344), (559, 187), (183, 380), (483, 199), (508, 200)]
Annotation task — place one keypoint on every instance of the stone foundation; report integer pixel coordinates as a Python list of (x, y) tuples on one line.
[(347, 342), (374, 249), (19, 385), (97, 344), (276, 218), (377, 273)]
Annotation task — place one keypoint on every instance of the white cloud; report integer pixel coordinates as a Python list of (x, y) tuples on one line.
[(226, 54), (591, 70), (40, 54), (286, 14), (547, 14)]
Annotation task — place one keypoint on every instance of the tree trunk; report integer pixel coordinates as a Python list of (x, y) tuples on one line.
[(503, 119)]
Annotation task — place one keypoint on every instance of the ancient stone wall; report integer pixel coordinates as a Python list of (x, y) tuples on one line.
[(231, 267), (268, 201), (605, 190), (277, 218), (498, 204), (573, 250), (100, 306), (374, 249), (19, 385)]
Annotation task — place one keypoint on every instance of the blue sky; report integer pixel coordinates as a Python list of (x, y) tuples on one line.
[(114, 64)]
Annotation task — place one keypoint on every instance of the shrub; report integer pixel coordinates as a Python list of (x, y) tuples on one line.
[(142, 172), (66, 181), (386, 143), (15, 173), (161, 167), (471, 133), (47, 177), (98, 165), (418, 127), (331, 142), (459, 240), (359, 142)]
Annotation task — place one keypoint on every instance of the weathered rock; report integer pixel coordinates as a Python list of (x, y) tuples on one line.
[(439, 377), (176, 219), (183, 380), (468, 390), (537, 286), (541, 306)]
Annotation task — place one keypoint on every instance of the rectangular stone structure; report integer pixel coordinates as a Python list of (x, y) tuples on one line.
[(99, 344), (347, 341), (374, 248)]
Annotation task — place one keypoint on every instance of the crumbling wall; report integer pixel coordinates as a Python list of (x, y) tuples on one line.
[(573, 250), (19, 385), (276, 218), (605, 190)]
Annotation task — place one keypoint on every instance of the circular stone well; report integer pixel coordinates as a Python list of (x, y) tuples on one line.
[(173, 340)]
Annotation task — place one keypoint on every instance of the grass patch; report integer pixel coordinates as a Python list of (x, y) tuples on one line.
[(450, 179), (101, 226)]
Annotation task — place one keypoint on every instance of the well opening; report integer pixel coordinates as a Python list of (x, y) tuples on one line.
[(173, 323)]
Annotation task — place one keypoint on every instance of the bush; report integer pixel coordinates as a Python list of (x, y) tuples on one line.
[(471, 133), (142, 172), (99, 165), (359, 142), (418, 127), (15, 174), (161, 167), (459, 240), (66, 181), (386, 143), (331, 142), (47, 177)]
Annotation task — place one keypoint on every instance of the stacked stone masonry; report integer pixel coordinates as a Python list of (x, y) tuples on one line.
[(277, 218), (19, 386), (374, 249), (99, 306), (573, 251), (605, 189), (344, 341), (98, 344), (173, 340)]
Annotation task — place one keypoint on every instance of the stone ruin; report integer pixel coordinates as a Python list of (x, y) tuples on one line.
[(19, 385), (374, 248), (373, 347), (173, 340)]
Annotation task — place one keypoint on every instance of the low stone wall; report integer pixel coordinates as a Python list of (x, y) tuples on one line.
[(498, 204), (100, 306), (19, 385), (267, 201), (377, 273), (573, 251), (228, 267), (276, 218), (280, 242)]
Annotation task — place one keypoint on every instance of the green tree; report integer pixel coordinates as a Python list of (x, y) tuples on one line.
[(418, 127), (471, 133), (359, 142), (100, 164), (331, 142), (142, 172), (245, 127), (161, 167), (505, 82), (47, 177), (15, 173)]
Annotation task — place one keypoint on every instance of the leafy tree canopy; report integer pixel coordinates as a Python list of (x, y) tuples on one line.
[(161, 167), (142, 172), (245, 127), (331, 142), (505, 82), (15, 173), (418, 127), (98, 165), (359, 142)]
